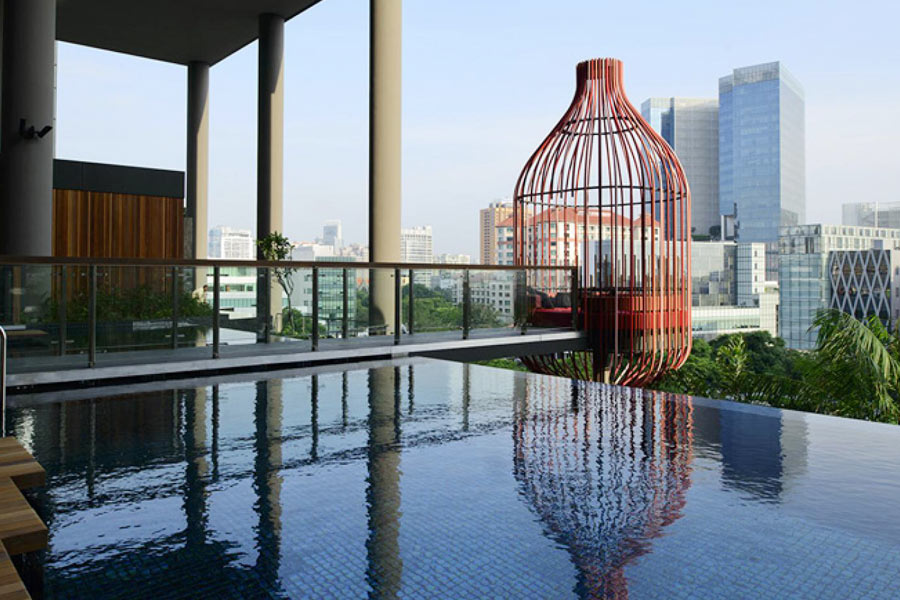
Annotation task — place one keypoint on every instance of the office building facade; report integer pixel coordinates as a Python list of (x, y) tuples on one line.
[(729, 291), (835, 266), (231, 244), (762, 164), (691, 127), (417, 245)]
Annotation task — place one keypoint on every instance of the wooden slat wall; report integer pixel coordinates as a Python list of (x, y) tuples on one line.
[(105, 225)]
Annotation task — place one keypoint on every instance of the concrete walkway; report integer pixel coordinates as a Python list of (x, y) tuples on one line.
[(49, 372)]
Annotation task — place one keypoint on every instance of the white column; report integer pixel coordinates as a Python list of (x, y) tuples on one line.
[(385, 89)]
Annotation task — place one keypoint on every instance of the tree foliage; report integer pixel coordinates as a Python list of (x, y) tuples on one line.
[(131, 304), (853, 372), (435, 310), (276, 247)]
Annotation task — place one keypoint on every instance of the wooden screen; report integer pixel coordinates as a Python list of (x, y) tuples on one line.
[(105, 225)]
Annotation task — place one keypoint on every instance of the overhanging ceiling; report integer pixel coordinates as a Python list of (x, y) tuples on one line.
[(176, 31)]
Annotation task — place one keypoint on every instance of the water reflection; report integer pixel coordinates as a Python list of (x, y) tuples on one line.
[(385, 567), (253, 469), (267, 479), (606, 469)]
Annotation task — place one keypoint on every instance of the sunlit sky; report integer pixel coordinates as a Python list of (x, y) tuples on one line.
[(483, 82)]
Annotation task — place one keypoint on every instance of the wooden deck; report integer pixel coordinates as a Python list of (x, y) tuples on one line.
[(21, 530), (17, 464), (11, 586)]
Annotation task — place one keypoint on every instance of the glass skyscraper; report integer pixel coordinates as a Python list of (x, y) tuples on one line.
[(690, 126), (762, 162)]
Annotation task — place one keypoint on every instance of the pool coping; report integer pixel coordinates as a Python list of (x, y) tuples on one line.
[(471, 349)]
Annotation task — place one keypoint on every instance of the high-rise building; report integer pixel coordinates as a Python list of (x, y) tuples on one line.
[(504, 239), (872, 214), (488, 220), (416, 245), (762, 164), (853, 269), (332, 234), (691, 127), (230, 244)]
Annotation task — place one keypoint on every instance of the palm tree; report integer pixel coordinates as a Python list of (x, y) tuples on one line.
[(856, 367)]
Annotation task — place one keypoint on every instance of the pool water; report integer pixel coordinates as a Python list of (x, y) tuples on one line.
[(426, 479)]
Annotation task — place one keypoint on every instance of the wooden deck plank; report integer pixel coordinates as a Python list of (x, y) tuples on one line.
[(19, 465), (21, 530), (11, 586)]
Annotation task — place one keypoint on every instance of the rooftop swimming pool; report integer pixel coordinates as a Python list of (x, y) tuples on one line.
[(427, 479)]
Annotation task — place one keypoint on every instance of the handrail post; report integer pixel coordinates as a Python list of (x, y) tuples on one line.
[(522, 299), (412, 302), (345, 306), (315, 309), (175, 293), (467, 300), (216, 305), (573, 299), (3, 379), (92, 316), (61, 311), (398, 302)]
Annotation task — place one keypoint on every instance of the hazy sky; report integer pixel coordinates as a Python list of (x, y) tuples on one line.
[(484, 81)]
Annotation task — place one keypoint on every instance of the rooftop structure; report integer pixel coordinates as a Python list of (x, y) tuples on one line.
[(197, 34), (871, 214)]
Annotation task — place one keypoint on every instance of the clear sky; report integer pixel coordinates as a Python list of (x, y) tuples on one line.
[(484, 81)]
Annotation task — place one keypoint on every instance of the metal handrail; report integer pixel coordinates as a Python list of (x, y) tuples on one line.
[(296, 264), (3, 380)]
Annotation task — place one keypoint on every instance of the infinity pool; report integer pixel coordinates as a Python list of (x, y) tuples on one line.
[(434, 479)]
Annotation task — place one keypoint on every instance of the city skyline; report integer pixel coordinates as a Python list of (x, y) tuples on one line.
[(464, 141)]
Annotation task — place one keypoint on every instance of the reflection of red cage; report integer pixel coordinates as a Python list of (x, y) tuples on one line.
[(606, 194), (605, 470)]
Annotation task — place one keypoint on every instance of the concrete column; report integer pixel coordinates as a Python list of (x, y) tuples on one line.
[(384, 154), (270, 126), (197, 172), (270, 145), (26, 147)]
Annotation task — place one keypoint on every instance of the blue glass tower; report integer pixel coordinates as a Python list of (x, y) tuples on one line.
[(762, 160)]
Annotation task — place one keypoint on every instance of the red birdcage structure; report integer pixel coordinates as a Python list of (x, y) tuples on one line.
[(605, 193)]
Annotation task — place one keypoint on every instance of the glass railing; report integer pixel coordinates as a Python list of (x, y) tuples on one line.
[(71, 313)]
